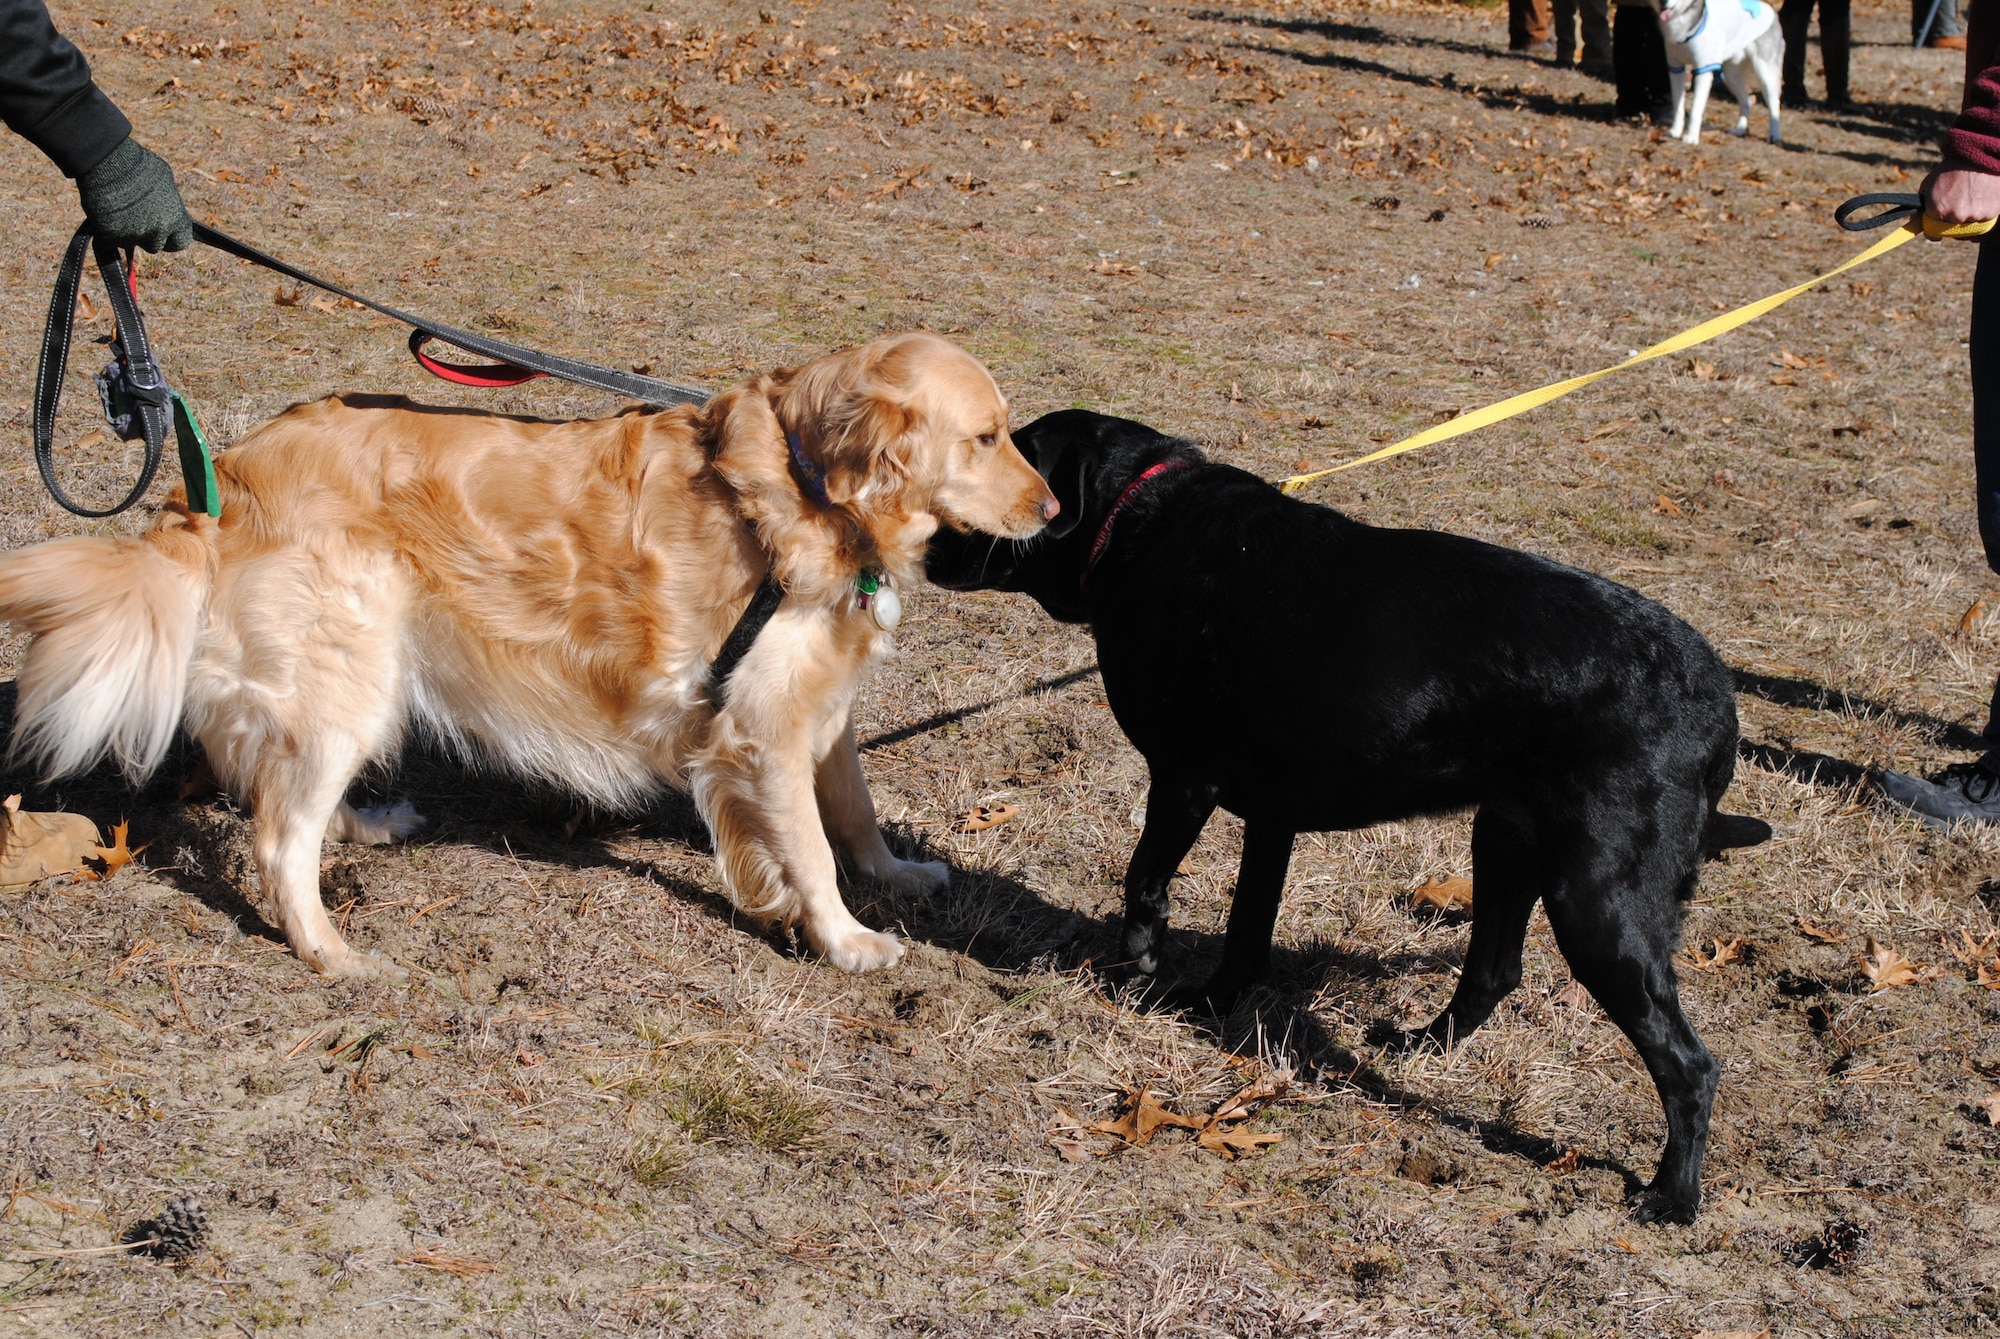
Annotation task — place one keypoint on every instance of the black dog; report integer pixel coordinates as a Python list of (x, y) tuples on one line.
[(1308, 672)]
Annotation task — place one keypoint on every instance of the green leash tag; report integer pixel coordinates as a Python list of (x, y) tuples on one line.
[(197, 460)]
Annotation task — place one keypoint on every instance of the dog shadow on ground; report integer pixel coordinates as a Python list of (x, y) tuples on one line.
[(1016, 931), (1808, 695)]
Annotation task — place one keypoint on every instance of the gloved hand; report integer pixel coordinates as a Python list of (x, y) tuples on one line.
[(132, 198)]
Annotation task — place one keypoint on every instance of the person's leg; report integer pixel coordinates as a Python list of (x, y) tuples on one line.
[(1970, 792), (1565, 21), (1659, 87), (1530, 25), (1943, 18), (1833, 35), (1596, 16), (1794, 19), (1628, 54)]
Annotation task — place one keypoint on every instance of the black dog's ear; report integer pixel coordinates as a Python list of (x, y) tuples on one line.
[(1067, 479)]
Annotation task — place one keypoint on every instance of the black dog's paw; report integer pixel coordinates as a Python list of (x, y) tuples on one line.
[(1652, 1206), (1388, 1036)]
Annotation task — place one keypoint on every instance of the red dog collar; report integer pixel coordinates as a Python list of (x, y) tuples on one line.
[(1104, 531)]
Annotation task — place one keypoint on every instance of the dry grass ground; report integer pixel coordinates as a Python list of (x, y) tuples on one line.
[(1287, 230)]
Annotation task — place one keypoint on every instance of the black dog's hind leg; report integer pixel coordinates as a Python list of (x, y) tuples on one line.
[(1506, 881), (1617, 921), (1175, 815), (1246, 947)]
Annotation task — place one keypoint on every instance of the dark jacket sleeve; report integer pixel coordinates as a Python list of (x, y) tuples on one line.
[(1974, 138), (46, 95)]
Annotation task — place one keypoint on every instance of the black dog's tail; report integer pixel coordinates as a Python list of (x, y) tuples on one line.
[(1727, 831)]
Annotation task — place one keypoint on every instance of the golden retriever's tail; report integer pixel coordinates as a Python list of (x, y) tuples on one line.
[(114, 623)]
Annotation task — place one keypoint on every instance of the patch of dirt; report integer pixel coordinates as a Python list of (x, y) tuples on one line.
[(1289, 231)]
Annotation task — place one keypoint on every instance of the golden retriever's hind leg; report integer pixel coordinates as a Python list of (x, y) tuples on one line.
[(374, 824), (296, 795), (848, 813)]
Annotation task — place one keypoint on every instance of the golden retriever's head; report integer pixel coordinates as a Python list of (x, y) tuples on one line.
[(911, 430)]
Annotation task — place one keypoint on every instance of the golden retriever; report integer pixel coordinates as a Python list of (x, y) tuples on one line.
[(543, 596)]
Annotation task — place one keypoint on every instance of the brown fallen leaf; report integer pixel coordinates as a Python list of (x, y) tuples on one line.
[(95, 437), (1253, 1097), (111, 858), (1574, 995), (288, 297), (1062, 1137), (1972, 952), (1786, 358), (1234, 1143), (35, 846), (1142, 1118), (1866, 506), (1886, 969), (981, 817), (1701, 371), (1448, 894), (1783, 379), (1724, 954), (1666, 506), (1821, 933), (1565, 1163), (1989, 977), (1968, 620), (1989, 1107)]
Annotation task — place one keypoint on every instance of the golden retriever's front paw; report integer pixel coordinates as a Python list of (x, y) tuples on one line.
[(861, 950), (359, 965)]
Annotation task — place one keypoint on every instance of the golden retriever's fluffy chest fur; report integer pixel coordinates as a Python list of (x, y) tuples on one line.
[(548, 600)]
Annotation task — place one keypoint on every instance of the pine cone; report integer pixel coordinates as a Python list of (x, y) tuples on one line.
[(179, 1233)]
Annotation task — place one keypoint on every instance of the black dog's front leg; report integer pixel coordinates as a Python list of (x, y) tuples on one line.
[(1175, 814), (1246, 946)]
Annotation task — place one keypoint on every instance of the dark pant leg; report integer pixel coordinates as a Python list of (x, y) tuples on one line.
[(1833, 44), (1793, 20), (1986, 435), (1639, 61), (1596, 36), (1565, 17)]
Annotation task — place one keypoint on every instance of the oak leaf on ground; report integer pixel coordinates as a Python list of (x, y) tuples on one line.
[(983, 816), (1886, 969)]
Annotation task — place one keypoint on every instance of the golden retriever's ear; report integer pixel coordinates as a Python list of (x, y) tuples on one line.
[(869, 450)]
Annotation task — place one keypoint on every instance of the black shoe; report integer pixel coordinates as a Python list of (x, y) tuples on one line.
[(1796, 99), (1962, 793)]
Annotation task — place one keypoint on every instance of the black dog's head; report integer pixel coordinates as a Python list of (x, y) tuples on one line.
[(1089, 460)]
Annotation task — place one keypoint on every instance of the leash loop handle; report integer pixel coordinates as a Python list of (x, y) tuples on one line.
[(487, 376), (136, 372), (1897, 207)]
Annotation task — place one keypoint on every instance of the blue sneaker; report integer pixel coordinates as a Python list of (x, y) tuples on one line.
[(1962, 793)]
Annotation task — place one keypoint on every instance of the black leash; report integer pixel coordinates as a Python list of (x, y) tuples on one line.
[(138, 402), (515, 363)]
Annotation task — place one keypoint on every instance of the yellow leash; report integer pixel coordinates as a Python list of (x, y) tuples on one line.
[(1926, 226)]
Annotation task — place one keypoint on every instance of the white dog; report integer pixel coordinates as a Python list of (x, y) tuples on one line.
[(1737, 37)]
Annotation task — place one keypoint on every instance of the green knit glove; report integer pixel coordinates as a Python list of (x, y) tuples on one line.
[(132, 199)]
